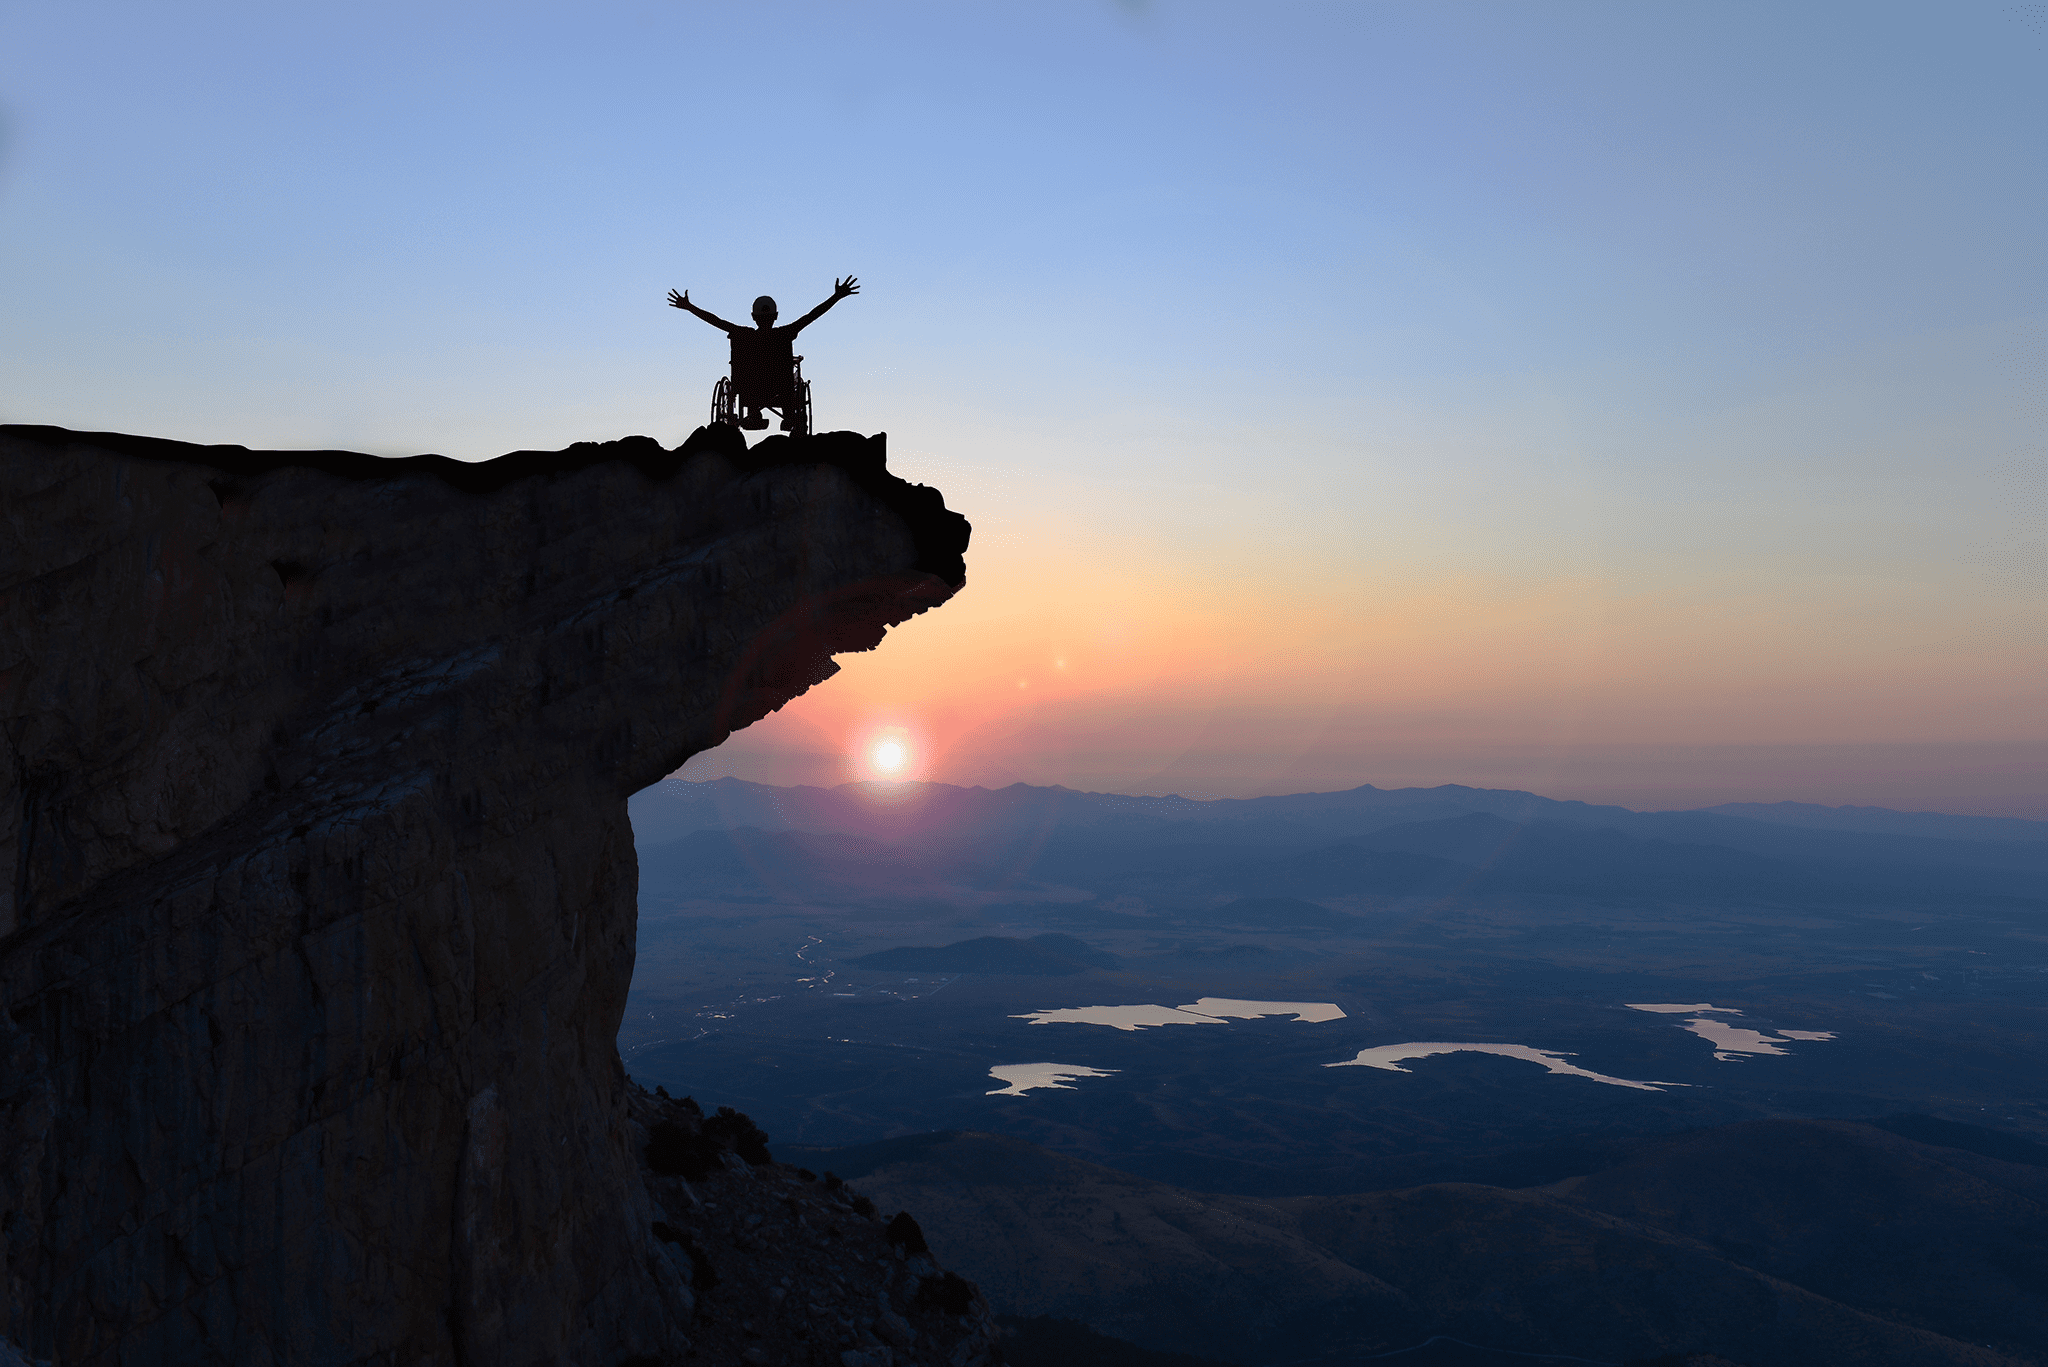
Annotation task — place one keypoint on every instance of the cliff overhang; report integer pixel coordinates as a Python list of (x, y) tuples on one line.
[(318, 905)]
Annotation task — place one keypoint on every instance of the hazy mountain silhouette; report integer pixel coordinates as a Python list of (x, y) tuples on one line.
[(1884, 821), (879, 808), (1364, 840)]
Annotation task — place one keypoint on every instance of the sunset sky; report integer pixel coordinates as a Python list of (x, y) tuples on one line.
[(1638, 403)]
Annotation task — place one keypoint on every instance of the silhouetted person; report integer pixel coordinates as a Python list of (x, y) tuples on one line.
[(762, 355)]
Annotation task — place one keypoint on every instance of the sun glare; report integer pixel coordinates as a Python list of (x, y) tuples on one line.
[(890, 755)]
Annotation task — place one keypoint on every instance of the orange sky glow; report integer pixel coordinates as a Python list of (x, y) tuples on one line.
[(1143, 675)]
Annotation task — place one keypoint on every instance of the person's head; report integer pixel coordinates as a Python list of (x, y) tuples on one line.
[(764, 312)]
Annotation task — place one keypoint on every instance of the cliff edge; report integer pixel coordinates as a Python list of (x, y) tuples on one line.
[(318, 905)]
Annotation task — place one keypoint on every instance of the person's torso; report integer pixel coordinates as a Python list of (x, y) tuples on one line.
[(755, 348)]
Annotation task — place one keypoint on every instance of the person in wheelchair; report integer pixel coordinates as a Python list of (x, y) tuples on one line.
[(764, 366)]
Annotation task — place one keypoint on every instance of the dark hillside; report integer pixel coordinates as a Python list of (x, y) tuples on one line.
[(1936, 1237), (1139, 1260), (1771, 1244), (1043, 1341)]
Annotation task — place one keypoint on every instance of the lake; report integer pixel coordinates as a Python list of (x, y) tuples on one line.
[(1732, 1043), (1024, 1077), (1207, 1011), (1389, 1057)]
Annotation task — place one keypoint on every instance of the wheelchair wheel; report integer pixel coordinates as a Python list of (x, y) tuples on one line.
[(722, 409), (800, 410)]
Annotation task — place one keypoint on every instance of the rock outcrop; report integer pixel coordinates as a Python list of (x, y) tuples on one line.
[(787, 1267), (318, 910)]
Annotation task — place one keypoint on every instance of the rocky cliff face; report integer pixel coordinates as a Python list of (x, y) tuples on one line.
[(318, 909)]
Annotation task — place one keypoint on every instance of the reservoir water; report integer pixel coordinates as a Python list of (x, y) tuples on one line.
[(1118, 1017), (1023, 1077), (1306, 1012), (1207, 1011), (1390, 1057), (1732, 1043)]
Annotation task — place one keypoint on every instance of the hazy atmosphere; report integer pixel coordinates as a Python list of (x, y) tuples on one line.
[(1633, 404)]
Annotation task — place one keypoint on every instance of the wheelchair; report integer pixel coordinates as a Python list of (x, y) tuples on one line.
[(793, 406)]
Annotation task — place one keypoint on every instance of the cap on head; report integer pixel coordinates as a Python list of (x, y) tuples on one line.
[(764, 307)]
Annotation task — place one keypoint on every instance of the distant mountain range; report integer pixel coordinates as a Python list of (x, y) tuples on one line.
[(733, 839), (1883, 821), (886, 810)]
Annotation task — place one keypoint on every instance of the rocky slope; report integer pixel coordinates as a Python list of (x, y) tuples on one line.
[(320, 898), (784, 1266), (1771, 1243), (1172, 1270)]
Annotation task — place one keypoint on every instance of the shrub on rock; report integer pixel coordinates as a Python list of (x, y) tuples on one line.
[(949, 1292), (903, 1233), (735, 1131), (673, 1151)]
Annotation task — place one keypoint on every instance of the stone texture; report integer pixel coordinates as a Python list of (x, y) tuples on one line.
[(318, 914), (799, 1270)]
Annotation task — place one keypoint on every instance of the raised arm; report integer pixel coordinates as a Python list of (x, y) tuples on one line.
[(840, 289), (682, 301)]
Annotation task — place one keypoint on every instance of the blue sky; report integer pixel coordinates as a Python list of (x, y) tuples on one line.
[(1584, 378)]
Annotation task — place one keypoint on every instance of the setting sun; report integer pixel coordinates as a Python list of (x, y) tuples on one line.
[(888, 753)]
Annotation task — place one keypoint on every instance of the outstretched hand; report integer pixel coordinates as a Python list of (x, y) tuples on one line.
[(842, 288), (678, 301)]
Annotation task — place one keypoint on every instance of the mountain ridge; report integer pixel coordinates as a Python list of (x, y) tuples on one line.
[(929, 813), (1472, 853)]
